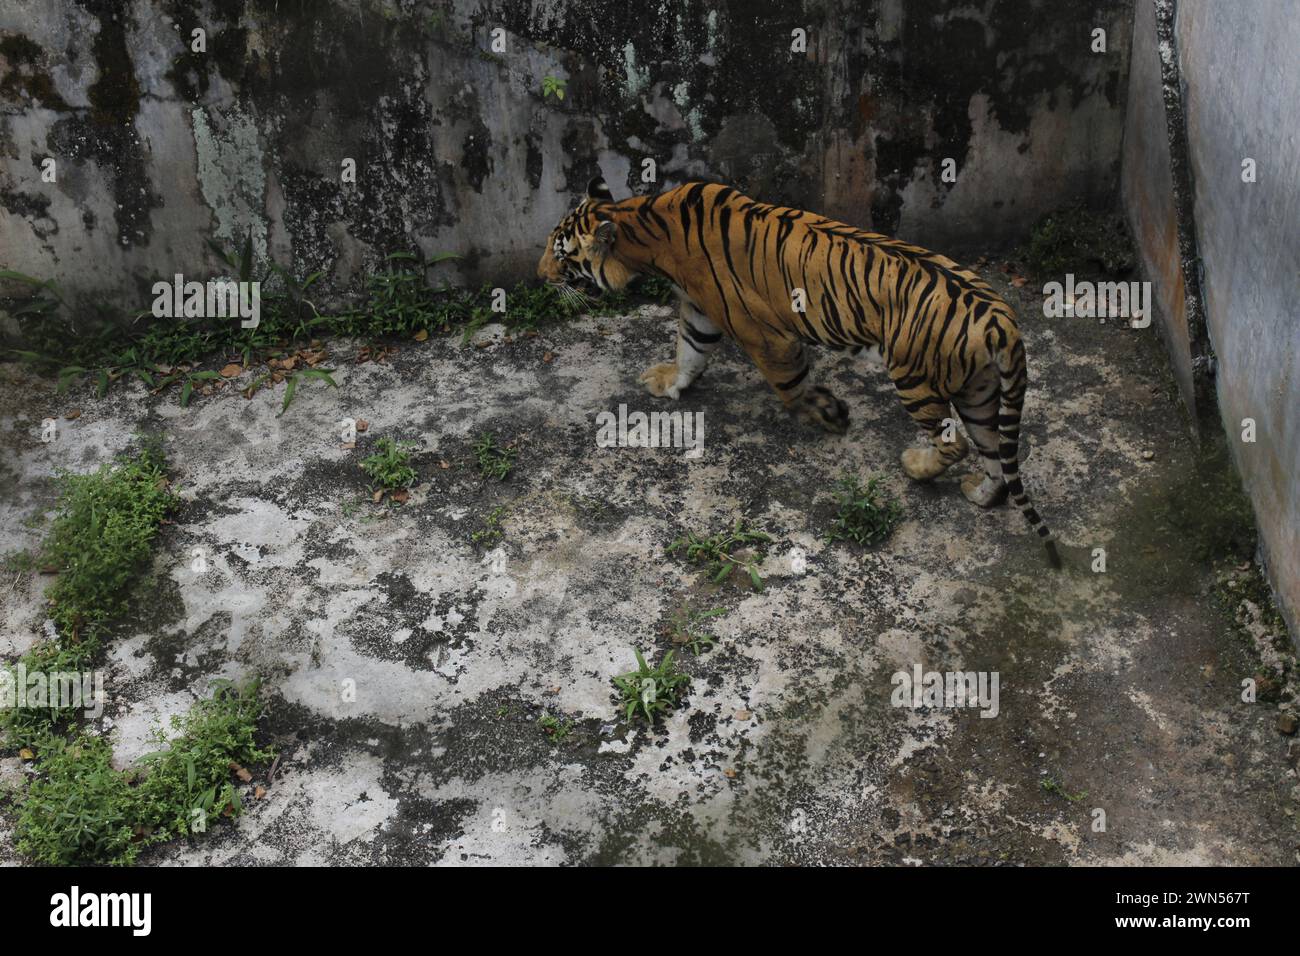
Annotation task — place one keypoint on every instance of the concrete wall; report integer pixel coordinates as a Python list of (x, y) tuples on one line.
[(1242, 89), (1239, 90), (159, 147)]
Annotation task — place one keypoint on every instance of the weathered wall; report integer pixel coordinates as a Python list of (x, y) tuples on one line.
[(457, 149), (1148, 196), (1238, 97), (1242, 87)]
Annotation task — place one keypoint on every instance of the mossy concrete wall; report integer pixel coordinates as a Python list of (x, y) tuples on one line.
[(158, 147)]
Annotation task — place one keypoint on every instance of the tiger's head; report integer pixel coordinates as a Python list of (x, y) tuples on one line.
[(580, 251)]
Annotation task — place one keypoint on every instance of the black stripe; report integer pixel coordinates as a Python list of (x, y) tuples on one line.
[(803, 373)]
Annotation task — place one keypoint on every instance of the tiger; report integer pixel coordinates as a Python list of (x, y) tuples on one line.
[(774, 279)]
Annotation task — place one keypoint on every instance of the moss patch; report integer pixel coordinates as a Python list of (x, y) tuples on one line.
[(1075, 239)]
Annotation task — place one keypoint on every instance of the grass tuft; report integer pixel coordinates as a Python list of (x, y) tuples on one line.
[(865, 516), (650, 691), (81, 810), (742, 548)]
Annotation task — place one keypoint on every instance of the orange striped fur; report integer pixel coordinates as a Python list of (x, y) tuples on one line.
[(947, 339)]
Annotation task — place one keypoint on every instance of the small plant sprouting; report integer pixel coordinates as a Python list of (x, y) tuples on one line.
[(553, 86), (1051, 786), (390, 467), (686, 628), (302, 375), (722, 553), (493, 460), (491, 532), (557, 728), (650, 691), (866, 515)]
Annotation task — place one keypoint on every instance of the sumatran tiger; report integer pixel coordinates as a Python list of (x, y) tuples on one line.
[(773, 278)]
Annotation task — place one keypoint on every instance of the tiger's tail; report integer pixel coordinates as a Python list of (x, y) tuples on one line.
[(1013, 379)]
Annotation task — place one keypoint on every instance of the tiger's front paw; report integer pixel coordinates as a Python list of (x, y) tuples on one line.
[(661, 380), (819, 407)]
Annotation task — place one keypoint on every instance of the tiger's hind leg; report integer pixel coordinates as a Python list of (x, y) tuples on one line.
[(697, 337), (978, 407), (933, 413)]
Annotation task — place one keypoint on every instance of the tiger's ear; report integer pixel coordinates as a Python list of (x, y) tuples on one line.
[(606, 232), (597, 189)]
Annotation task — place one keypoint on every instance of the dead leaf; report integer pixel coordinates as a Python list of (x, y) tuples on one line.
[(231, 370), (743, 715), (548, 357), (378, 496), (444, 465), (729, 773), (362, 424), (1018, 281), (26, 754), (348, 445), (74, 414), (259, 792), (240, 772), (401, 496), (421, 335)]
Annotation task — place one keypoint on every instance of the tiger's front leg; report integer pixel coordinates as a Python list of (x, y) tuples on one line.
[(784, 364), (697, 337)]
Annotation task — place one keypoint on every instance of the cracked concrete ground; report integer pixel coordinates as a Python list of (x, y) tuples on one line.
[(1119, 691)]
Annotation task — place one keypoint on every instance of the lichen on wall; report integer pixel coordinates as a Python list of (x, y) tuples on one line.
[(459, 148), (232, 176)]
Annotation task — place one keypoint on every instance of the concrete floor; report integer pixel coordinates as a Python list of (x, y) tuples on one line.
[(1119, 691)]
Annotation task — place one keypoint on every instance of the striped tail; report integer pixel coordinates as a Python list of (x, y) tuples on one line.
[(1014, 379)]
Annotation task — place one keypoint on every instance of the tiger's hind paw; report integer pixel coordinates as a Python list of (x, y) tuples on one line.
[(923, 464), (661, 380), (982, 490), (818, 406)]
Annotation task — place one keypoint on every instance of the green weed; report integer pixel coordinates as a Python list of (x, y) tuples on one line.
[(390, 467), (553, 86), (491, 532), (494, 461), (687, 628), (1049, 785), (80, 810), (741, 548), (650, 691), (557, 728), (865, 516)]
